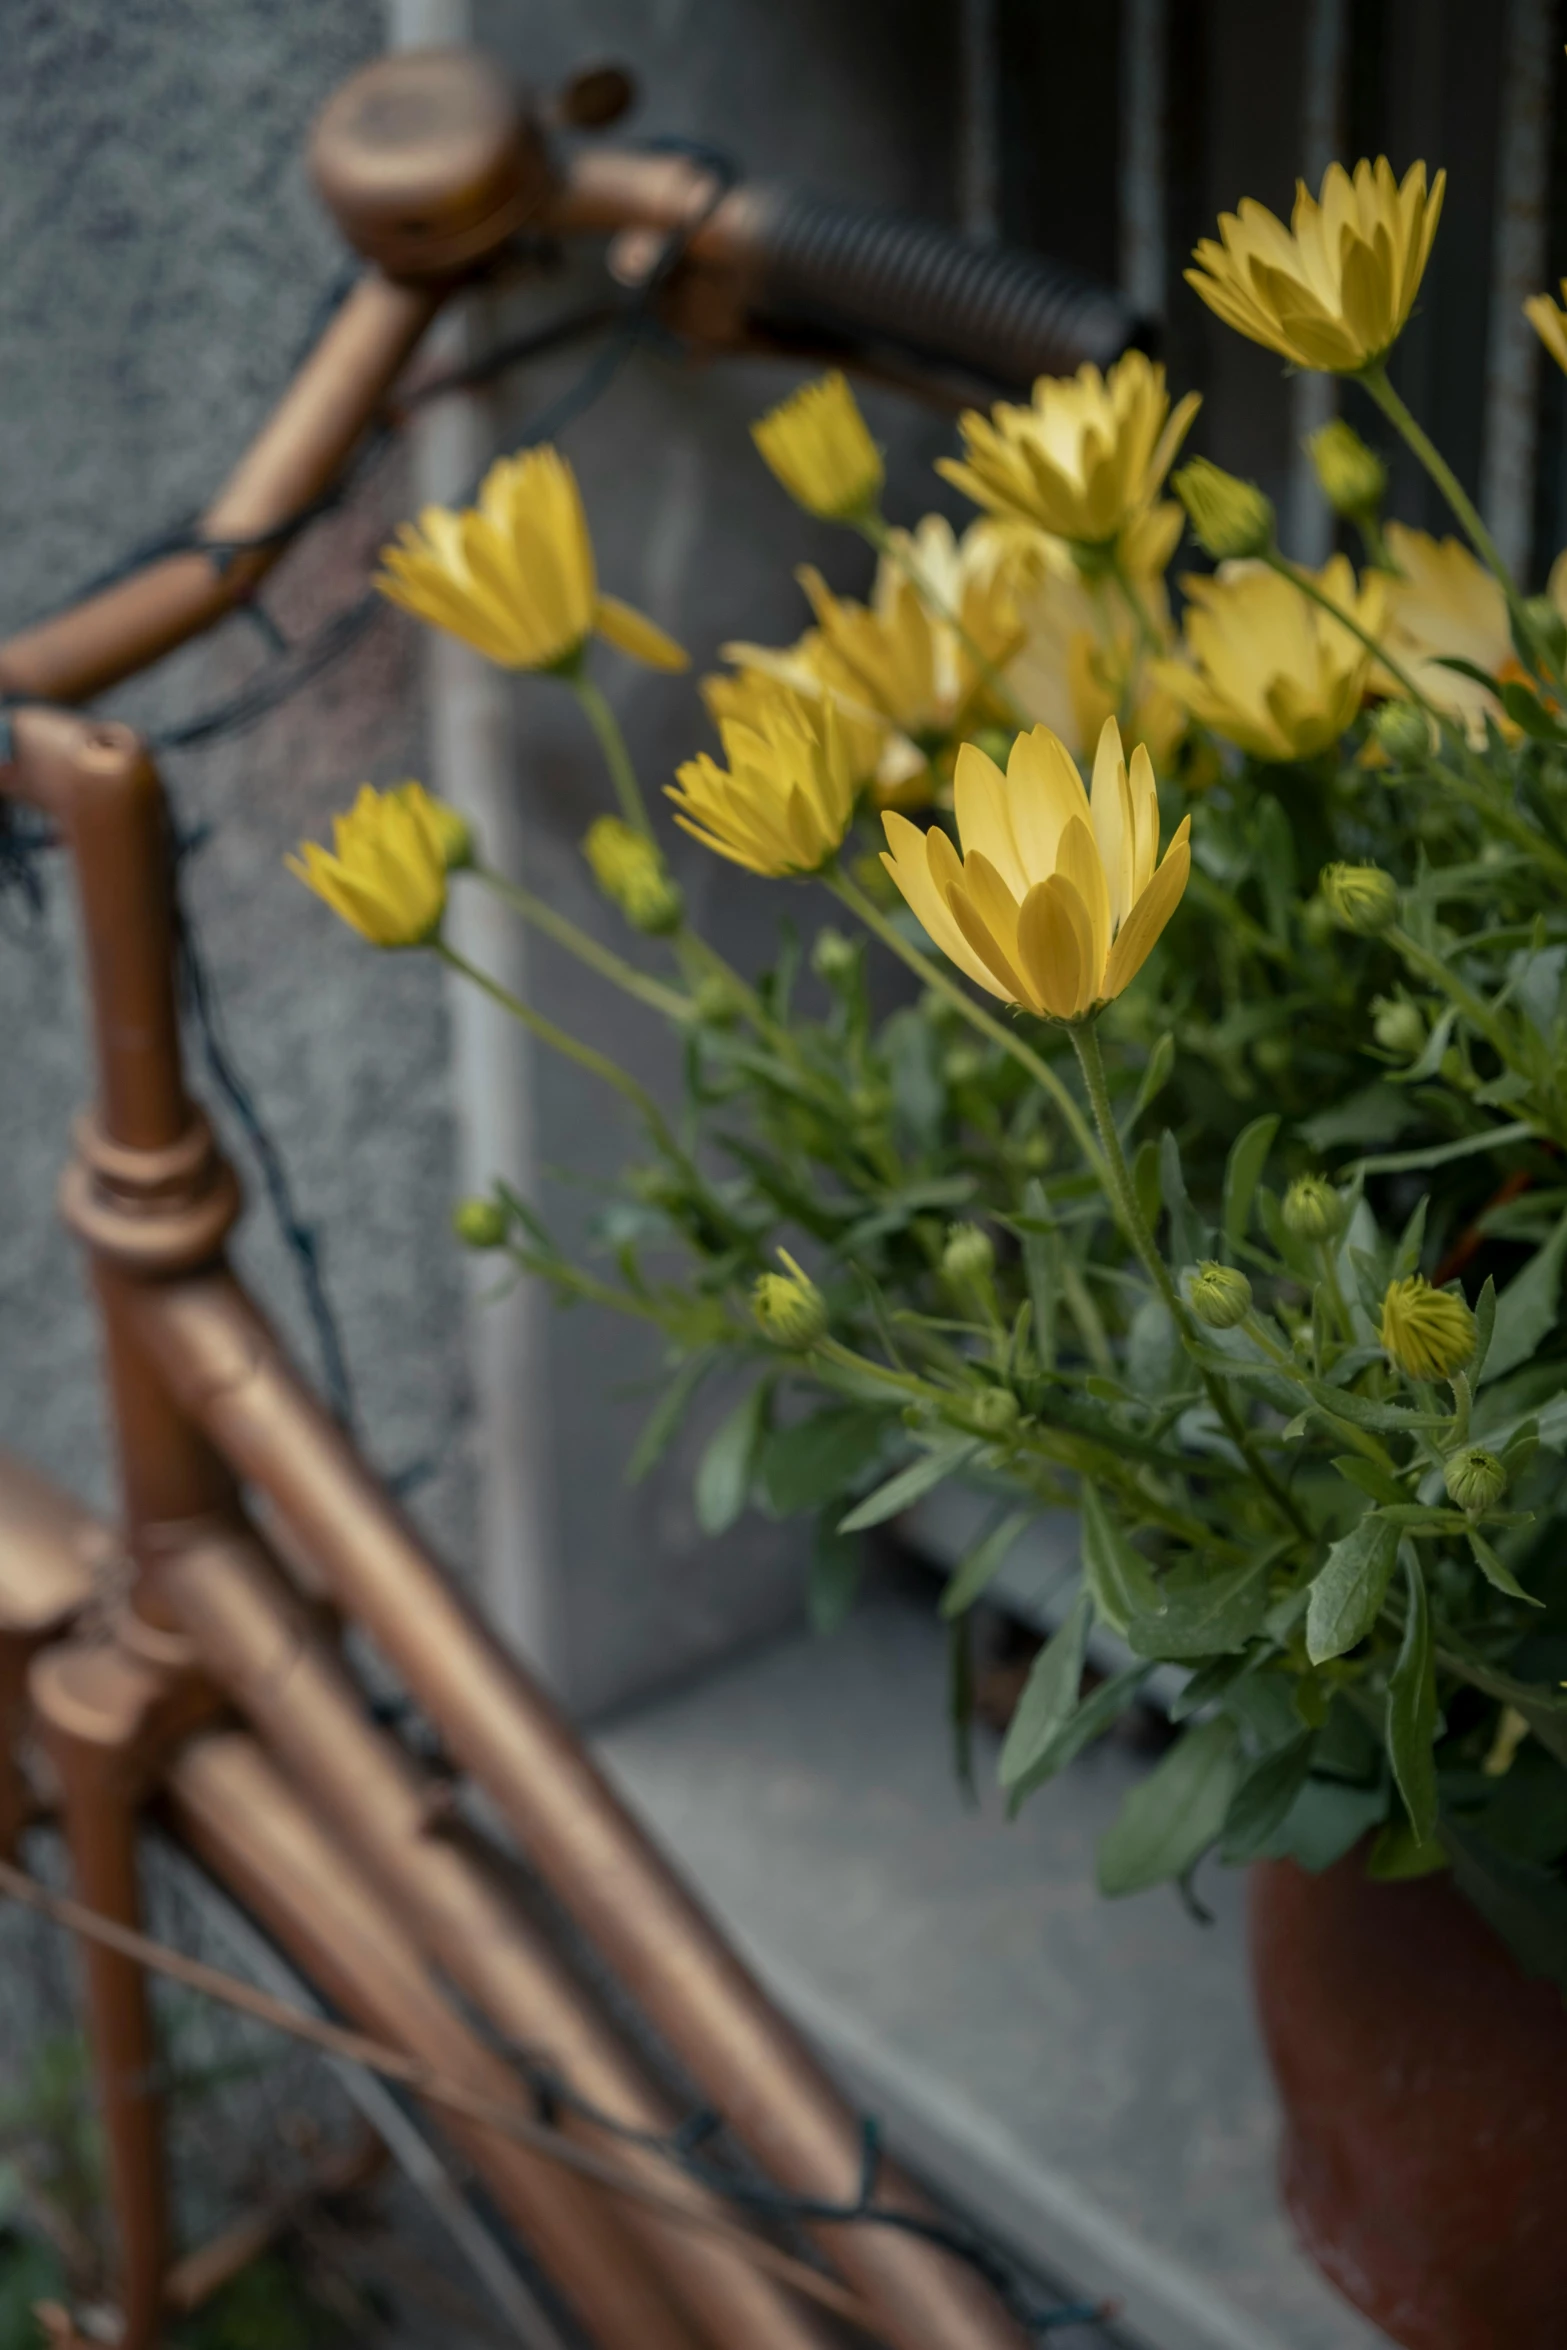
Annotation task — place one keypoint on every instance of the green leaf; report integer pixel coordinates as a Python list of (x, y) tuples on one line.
[(1442, 1154), (1207, 1685), (1376, 1114), (803, 1466), (1092, 1718), (837, 1560), (1118, 1577), (1243, 1173), (1155, 1078), (910, 1485), (1326, 1820), (1041, 1269), (1145, 1184), (1462, 668), (1264, 1799), (1348, 1590), (908, 1046), (1527, 710), (983, 1561), (667, 1414), (1526, 1309), (1170, 1818), (1411, 1709), (723, 1477), (1526, 1904), (1370, 1476), (1186, 1239), (1277, 874), (1049, 1696), (1497, 1573), (1399, 1853), (1202, 1613), (1485, 1330)]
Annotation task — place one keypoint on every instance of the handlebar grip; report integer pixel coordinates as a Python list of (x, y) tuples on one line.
[(992, 310)]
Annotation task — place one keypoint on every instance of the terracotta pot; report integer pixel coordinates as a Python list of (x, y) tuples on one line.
[(1424, 2084)]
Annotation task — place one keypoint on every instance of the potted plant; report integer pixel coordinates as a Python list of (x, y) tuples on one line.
[(1209, 1183)]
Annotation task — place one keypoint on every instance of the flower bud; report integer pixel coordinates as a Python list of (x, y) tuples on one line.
[(789, 1307), (968, 1256), (1403, 732), (1229, 517), (1360, 897), (1220, 1296), (629, 870), (817, 444), (1353, 477), (1427, 1333), (1398, 1025), (715, 1002), (834, 957), (1476, 1479), (1548, 627), (1313, 1210), (995, 1411), (661, 1186), (481, 1223)]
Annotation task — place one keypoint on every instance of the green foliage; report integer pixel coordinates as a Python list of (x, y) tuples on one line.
[(1263, 1491)]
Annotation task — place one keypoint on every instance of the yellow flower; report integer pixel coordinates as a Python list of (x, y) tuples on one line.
[(388, 878), (1271, 671), (513, 576), (783, 804), (1056, 900), (899, 672), (817, 444), (1428, 1333), (1334, 289), (1549, 323), (1444, 603), (1084, 459)]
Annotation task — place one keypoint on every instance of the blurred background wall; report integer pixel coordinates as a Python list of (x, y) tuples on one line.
[(164, 260)]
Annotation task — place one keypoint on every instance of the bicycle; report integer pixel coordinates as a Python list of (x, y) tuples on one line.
[(211, 1687)]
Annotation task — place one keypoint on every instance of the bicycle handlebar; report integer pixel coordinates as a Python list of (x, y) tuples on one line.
[(432, 166)]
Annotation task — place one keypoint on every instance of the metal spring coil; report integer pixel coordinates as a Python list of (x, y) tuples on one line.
[(990, 309)]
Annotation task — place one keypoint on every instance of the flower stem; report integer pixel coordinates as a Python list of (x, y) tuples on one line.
[(612, 743), (1129, 1215), (587, 949), (848, 894), (1375, 379), (570, 1047)]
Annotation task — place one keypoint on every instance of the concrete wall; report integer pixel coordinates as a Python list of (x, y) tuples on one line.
[(164, 256)]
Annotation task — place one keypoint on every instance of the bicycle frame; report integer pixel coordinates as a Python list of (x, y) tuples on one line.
[(315, 1817)]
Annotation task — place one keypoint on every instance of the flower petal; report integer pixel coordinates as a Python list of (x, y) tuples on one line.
[(630, 631), (1140, 931)]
